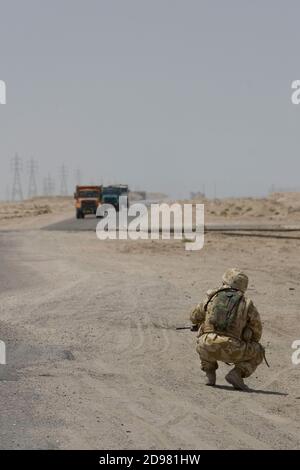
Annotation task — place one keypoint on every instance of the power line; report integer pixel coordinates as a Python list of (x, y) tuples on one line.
[(215, 190), (78, 177), (17, 193), (7, 194), (48, 186), (45, 187), (63, 181), (32, 186), (51, 185)]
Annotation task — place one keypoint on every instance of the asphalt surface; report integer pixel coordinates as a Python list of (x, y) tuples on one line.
[(90, 224), (70, 225)]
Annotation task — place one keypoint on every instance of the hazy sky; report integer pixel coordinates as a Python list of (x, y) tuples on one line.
[(166, 95)]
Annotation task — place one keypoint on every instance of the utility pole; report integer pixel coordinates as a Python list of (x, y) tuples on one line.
[(63, 181), (48, 186), (32, 186), (45, 187), (78, 177), (7, 194), (51, 186), (17, 193)]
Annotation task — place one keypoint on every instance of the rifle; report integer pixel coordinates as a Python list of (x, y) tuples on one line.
[(191, 328)]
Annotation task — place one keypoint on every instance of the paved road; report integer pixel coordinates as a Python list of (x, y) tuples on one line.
[(90, 224), (76, 225)]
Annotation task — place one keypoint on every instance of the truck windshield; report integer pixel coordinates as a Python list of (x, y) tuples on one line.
[(110, 197), (87, 194)]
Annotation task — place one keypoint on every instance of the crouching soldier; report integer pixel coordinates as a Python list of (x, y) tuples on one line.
[(229, 330)]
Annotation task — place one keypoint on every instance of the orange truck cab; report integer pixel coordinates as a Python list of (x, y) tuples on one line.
[(87, 200)]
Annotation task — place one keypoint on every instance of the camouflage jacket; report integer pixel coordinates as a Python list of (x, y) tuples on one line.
[(247, 316)]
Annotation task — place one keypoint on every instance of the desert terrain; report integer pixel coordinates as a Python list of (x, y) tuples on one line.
[(94, 360)]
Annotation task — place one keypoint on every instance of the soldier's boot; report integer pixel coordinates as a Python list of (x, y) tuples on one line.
[(235, 379), (211, 377)]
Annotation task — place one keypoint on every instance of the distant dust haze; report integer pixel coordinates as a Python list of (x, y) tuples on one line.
[(165, 95)]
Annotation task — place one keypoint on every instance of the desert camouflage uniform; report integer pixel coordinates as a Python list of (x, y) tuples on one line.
[(229, 347)]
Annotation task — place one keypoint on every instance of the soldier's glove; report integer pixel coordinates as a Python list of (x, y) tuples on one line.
[(247, 334), (194, 328)]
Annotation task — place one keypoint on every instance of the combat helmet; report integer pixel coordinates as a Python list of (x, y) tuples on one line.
[(236, 279)]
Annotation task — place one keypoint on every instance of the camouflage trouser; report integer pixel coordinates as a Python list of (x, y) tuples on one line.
[(213, 348)]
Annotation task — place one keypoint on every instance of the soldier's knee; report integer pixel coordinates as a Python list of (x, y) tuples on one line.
[(208, 366)]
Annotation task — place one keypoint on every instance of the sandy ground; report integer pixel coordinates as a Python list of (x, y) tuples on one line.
[(35, 213), (93, 357), (276, 208)]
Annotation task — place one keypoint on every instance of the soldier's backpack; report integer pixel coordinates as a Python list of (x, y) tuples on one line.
[(224, 306)]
